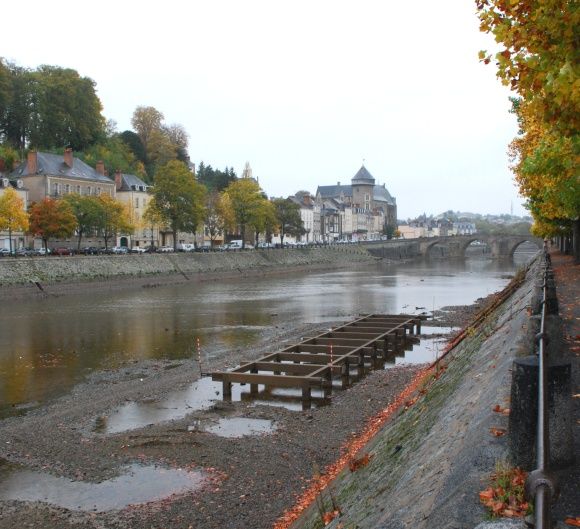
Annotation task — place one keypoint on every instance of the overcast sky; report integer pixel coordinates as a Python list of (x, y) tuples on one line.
[(303, 90)]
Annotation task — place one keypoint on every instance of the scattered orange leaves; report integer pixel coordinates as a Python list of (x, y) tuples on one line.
[(498, 432), (327, 517), (506, 495), (574, 522), (498, 409), (354, 445), (355, 464)]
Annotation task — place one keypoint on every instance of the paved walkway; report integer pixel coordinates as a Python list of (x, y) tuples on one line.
[(568, 291)]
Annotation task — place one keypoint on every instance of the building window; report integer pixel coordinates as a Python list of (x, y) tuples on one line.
[(89, 190), (137, 202), (67, 189), (79, 190), (98, 191)]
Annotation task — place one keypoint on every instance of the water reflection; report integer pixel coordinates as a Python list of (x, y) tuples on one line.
[(46, 346), (138, 484), (233, 427)]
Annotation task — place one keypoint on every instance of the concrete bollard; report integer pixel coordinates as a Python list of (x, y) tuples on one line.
[(524, 413)]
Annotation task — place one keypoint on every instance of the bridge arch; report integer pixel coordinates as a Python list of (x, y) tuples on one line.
[(515, 244)]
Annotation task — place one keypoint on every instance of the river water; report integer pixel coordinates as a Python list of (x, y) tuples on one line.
[(47, 346)]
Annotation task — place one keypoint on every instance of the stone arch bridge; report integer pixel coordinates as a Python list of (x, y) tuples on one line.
[(500, 246)]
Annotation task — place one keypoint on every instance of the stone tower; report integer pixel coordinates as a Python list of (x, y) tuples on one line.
[(363, 185)]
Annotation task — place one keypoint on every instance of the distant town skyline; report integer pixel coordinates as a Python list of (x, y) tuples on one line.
[(303, 91)]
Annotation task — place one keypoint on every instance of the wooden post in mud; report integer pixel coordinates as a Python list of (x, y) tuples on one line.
[(374, 356), (345, 373), (253, 387), (306, 397), (227, 389), (361, 364)]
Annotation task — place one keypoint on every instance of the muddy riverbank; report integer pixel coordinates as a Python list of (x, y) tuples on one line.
[(248, 481)]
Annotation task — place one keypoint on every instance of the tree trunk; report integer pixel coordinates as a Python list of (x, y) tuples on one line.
[(174, 234), (79, 241), (576, 240), (243, 229), (10, 240)]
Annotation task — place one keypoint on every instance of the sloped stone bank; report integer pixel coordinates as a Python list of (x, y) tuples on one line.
[(429, 463), (19, 277)]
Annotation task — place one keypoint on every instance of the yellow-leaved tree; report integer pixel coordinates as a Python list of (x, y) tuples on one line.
[(539, 60), (13, 217)]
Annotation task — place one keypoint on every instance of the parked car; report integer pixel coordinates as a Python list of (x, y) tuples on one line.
[(4, 252), (265, 245), (62, 250), (91, 250), (43, 251), (119, 250), (186, 247), (24, 252), (165, 249), (138, 249)]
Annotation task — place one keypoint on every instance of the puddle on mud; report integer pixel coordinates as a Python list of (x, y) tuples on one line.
[(233, 427), (137, 485), (200, 395)]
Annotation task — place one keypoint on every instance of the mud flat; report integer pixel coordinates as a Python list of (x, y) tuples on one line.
[(242, 479)]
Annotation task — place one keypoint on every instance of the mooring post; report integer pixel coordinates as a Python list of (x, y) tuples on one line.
[(418, 326)]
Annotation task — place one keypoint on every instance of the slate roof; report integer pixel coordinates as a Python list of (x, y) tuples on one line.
[(380, 194), (53, 164), (363, 177), (334, 191), (130, 182)]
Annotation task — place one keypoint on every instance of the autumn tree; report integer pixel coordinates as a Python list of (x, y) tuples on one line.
[(12, 215), (50, 219), (216, 215), (288, 214), (87, 212), (264, 220), (112, 218), (245, 199), (538, 59), (162, 143), (178, 200)]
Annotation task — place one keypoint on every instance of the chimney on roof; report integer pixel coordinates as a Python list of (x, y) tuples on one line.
[(68, 157), (32, 162), (100, 167), (307, 199), (118, 179)]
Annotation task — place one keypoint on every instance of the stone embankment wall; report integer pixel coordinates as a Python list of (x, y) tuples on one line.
[(50, 270), (395, 250)]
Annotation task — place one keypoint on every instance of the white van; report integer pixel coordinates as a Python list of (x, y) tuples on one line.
[(234, 245), (186, 247)]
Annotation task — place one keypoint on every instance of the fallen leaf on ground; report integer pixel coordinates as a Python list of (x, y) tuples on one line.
[(327, 517), (574, 522), (498, 432)]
